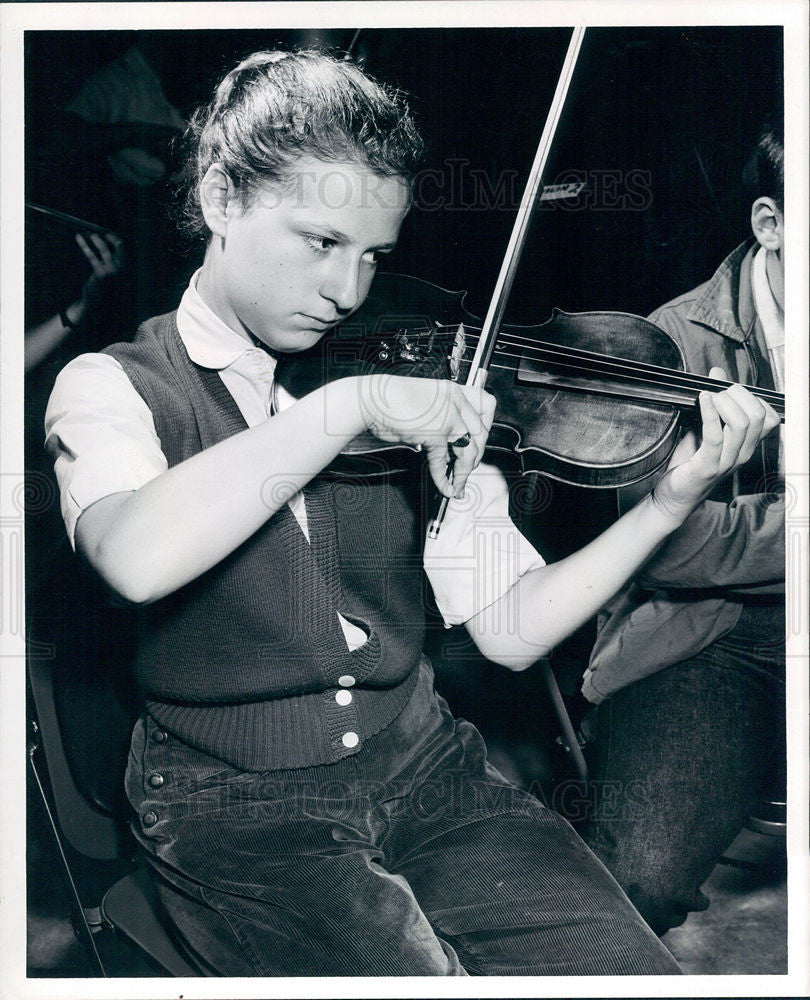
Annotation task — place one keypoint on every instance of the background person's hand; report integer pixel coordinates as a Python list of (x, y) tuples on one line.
[(105, 254)]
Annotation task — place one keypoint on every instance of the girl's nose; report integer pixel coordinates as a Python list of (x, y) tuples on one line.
[(341, 285)]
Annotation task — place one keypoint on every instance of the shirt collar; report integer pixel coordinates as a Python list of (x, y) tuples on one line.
[(726, 303), (772, 321), (210, 342)]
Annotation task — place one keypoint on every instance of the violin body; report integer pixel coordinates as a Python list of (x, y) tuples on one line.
[(578, 430)]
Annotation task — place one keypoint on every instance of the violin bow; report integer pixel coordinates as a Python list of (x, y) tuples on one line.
[(71, 221), (479, 367)]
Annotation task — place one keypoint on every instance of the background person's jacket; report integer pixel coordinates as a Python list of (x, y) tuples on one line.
[(732, 548)]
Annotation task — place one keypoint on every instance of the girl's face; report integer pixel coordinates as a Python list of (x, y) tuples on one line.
[(300, 260)]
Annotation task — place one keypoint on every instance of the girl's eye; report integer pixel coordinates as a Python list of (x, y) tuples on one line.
[(320, 244), (323, 244)]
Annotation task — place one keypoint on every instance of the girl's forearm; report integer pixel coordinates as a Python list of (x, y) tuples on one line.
[(549, 603), (148, 543)]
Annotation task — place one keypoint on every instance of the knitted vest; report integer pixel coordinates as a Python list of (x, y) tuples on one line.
[(244, 663)]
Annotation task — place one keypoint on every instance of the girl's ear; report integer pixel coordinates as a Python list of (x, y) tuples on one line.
[(216, 197), (767, 223)]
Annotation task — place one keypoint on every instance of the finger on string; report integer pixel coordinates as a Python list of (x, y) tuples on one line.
[(771, 418), (755, 413), (711, 431), (735, 429)]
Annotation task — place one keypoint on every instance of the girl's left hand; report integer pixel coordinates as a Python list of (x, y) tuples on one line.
[(734, 422)]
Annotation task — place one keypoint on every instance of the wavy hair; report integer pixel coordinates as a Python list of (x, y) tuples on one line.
[(770, 158), (275, 107)]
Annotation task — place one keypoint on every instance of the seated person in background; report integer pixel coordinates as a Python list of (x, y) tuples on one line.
[(307, 803), (99, 148), (691, 657), (54, 273)]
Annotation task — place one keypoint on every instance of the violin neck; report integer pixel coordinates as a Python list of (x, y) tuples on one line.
[(685, 397), (639, 382)]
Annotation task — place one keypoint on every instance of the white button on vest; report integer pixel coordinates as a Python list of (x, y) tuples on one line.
[(346, 681), (343, 697), (350, 739)]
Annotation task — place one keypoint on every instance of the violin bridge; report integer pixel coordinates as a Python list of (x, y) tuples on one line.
[(458, 350)]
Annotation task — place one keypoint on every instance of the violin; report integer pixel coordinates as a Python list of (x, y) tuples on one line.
[(592, 399)]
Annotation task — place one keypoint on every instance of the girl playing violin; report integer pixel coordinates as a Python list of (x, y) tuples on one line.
[(307, 803)]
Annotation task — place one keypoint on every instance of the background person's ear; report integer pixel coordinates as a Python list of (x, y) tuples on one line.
[(216, 194), (767, 223)]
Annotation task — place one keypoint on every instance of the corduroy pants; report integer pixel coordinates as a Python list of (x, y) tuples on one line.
[(412, 857), (679, 760)]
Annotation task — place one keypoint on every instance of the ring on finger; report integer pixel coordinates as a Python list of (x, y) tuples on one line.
[(461, 442)]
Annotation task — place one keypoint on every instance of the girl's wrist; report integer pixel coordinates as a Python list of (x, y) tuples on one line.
[(670, 515), (345, 412)]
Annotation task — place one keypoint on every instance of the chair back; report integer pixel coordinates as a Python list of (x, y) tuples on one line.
[(84, 703)]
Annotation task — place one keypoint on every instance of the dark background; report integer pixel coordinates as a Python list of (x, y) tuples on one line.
[(659, 121)]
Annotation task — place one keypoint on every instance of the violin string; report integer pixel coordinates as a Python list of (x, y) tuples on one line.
[(602, 363), (613, 365), (642, 371), (667, 375), (640, 377), (595, 363), (636, 393)]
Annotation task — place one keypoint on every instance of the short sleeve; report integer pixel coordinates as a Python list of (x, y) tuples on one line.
[(480, 554), (100, 434)]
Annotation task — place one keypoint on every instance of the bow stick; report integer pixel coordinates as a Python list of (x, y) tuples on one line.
[(479, 367), (71, 221)]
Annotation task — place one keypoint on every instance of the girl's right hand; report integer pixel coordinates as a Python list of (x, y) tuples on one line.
[(435, 414), (734, 422)]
